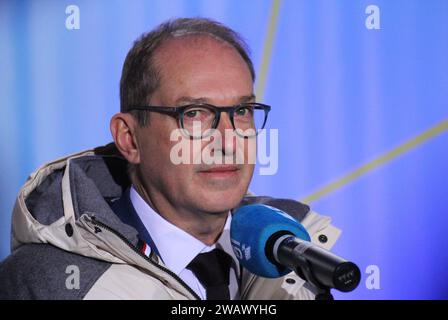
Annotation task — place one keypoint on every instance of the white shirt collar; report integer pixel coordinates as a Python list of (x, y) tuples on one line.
[(177, 247)]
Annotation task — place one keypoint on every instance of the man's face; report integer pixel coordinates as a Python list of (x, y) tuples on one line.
[(196, 69)]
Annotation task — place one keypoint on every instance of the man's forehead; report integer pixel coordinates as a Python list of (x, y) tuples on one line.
[(201, 69), (192, 48)]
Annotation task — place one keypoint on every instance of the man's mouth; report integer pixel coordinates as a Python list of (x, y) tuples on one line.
[(222, 171)]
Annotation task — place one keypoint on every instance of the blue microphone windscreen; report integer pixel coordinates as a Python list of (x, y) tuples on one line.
[(251, 227)]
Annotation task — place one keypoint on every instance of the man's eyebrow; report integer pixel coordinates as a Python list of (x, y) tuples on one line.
[(191, 100), (250, 98)]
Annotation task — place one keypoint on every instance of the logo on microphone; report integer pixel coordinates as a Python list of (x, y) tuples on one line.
[(242, 251)]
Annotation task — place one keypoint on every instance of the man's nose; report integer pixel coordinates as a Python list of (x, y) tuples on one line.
[(225, 128)]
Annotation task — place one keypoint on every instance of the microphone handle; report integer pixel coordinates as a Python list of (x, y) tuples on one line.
[(327, 269)]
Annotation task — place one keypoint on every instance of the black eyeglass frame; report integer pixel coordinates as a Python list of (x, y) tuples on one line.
[(178, 112)]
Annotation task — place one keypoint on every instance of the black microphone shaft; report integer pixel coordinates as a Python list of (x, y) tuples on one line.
[(327, 268)]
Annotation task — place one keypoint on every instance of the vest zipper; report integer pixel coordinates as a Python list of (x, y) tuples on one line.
[(133, 248)]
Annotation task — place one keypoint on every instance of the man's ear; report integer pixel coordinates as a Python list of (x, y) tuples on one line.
[(123, 128)]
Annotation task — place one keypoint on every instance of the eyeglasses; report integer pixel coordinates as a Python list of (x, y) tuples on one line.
[(247, 119)]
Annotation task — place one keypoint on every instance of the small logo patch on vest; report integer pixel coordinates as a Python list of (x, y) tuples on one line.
[(144, 248)]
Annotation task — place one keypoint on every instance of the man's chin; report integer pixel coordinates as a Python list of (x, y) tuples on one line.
[(219, 202)]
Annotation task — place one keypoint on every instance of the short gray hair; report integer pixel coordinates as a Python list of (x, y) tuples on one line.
[(140, 77)]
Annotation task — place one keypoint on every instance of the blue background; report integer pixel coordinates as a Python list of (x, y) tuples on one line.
[(342, 95)]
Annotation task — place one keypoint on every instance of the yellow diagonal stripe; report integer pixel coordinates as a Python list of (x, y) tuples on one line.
[(267, 50), (388, 156)]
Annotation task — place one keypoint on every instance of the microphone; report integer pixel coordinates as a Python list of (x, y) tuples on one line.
[(270, 243)]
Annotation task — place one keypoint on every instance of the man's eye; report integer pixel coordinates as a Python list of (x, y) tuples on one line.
[(197, 114), (192, 113), (242, 112)]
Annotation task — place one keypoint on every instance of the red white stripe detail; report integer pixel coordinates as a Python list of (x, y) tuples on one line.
[(146, 249)]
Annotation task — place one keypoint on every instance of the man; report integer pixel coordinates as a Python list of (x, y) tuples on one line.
[(128, 221)]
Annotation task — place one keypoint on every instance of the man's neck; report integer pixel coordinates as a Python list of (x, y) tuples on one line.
[(205, 227)]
